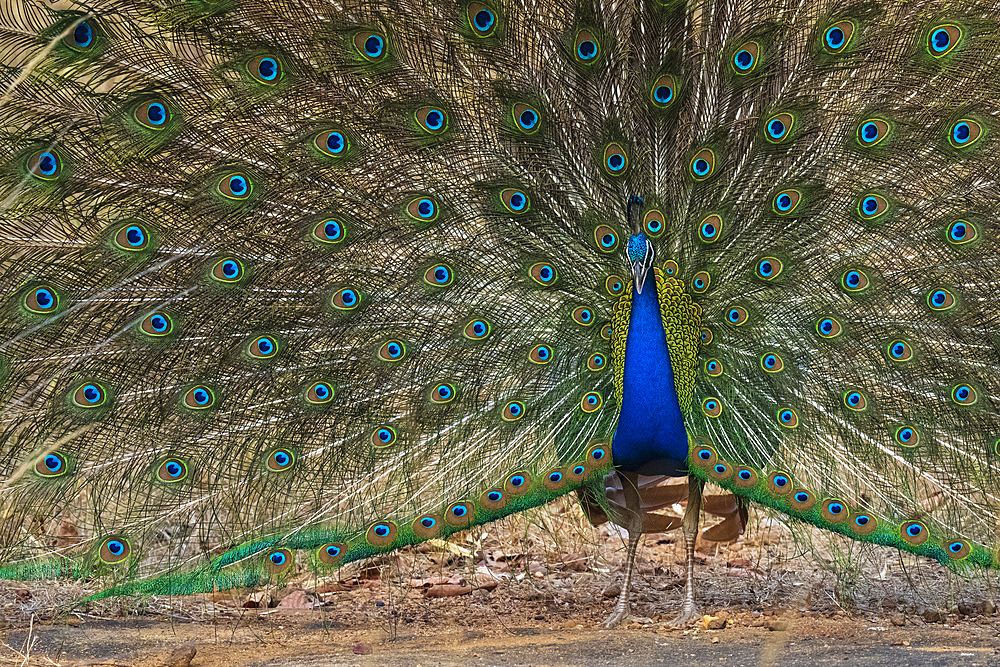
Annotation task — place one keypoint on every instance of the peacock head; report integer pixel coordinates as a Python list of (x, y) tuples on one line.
[(640, 255)]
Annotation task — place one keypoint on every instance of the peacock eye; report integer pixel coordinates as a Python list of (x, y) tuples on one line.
[(235, 186), (515, 201), (46, 165), (964, 133), (265, 69), (855, 400), (615, 159), (442, 393), (332, 143), (663, 91), (280, 460), (114, 550), (526, 117), (345, 299), (829, 328), (198, 397), (586, 47), (961, 232), (899, 351), (432, 120), (872, 132), (53, 464), (710, 229), (392, 350), (90, 395), (703, 164), (262, 347), (540, 354), (854, 280), (152, 114), (171, 470), (745, 58), (943, 39), (779, 127), (872, 206), (513, 411), (591, 401), (941, 299), (370, 45), (423, 209), (228, 270), (543, 273), (319, 393), (482, 20), (384, 436), (439, 275), (330, 231), (837, 37), (477, 330), (606, 238), (786, 201)]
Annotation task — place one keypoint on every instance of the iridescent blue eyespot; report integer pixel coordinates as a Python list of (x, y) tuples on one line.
[(45, 165), (943, 39), (439, 275), (381, 530), (961, 232), (872, 132), (114, 550), (587, 47), (779, 127), (527, 119), (83, 36), (373, 46), (515, 201), (744, 60)]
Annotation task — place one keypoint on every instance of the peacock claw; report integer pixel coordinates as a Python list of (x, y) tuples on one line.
[(619, 616), (689, 614)]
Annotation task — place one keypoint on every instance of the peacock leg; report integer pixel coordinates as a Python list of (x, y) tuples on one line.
[(631, 521), (689, 610)]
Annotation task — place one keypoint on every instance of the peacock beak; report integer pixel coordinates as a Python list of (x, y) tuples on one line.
[(639, 276)]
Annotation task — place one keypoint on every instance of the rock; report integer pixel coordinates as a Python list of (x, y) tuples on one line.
[(898, 620), (933, 616), (714, 622), (777, 625), (612, 591), (180, 656)]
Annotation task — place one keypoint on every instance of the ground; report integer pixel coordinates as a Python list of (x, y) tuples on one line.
[(533, 591)]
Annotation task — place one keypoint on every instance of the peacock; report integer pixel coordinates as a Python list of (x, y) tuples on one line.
[(287, 284)]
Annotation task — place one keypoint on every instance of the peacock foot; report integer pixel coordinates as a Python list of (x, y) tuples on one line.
[(622, 615), (689, 614)]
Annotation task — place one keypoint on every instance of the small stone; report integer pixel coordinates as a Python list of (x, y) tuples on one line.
[(777, 625), (898, 620), (713, 622), (933, 616), (612, 591), (180, 656)]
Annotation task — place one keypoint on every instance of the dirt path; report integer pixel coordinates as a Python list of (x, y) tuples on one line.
[(311, 639)]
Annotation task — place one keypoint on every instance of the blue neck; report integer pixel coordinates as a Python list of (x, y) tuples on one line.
[(650, 438)]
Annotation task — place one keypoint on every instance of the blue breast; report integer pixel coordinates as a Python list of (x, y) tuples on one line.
[(650, 438)]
